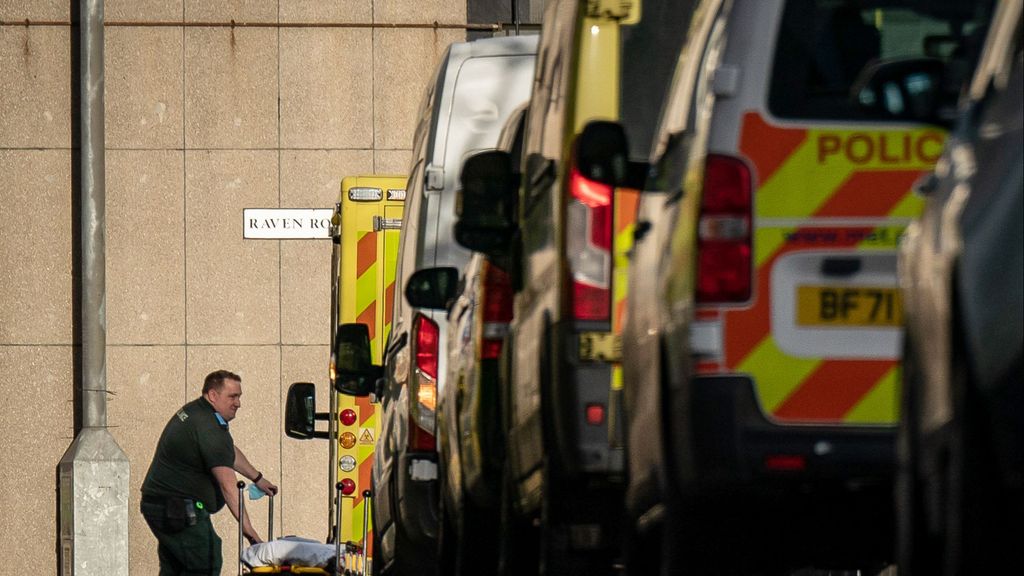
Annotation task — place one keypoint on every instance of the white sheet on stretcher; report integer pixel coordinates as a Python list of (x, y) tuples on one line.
[(289, 550)]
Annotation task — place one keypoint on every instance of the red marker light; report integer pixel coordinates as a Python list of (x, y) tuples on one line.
[(348, 486), (785, 462), (347, 417), (595, 414)]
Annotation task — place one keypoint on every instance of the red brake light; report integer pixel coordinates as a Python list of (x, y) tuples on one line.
[(427, 336), (497, 311), (589, 245), (420, 440), (724, 235), (497, 295), (426, 339)]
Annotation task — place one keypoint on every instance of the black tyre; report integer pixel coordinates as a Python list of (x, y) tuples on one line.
[(517, 552)]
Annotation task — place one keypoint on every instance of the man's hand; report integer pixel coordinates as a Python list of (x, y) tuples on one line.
[(253, 539), (267, 486)]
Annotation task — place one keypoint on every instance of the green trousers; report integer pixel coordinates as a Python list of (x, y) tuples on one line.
[(193, 551)]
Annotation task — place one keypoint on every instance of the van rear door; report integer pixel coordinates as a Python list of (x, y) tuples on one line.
[(820, 331)]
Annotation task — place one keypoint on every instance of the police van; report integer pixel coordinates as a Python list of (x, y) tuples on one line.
[(763, 325)]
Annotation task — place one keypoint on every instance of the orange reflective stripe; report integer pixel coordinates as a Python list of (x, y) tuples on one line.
[(767, 146), (366, 253), (389, 299), (887, 189), (368, 317), (833, 389), (365, 479)]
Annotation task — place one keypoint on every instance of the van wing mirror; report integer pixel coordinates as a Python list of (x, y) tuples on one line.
[(355, 374), (602, 155), (432, 288), (487, 204), (911, 89), (300, 411)]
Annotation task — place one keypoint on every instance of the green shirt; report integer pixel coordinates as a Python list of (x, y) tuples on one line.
[(192, 444)]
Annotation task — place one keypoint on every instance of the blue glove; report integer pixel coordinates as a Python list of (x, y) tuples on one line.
[(255, 493)]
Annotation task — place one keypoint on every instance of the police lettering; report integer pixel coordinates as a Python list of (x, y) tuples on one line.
[(882, 147)]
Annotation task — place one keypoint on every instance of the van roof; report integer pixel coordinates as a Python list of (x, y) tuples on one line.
[(457, 55), (500, 46)]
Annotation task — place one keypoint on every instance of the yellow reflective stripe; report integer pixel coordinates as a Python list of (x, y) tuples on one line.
[(768, 241), (800, 185), (620, 276), (366, 289), (785, 374), (617, 377), (910, 207), (881, 404)]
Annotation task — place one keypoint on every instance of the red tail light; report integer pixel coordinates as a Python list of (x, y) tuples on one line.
[(426, 338), (497, 311), (724, 236), (785, 463), (589, 247)]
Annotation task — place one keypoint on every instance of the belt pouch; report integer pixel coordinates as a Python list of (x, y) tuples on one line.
[(174, 515), (190, 513)]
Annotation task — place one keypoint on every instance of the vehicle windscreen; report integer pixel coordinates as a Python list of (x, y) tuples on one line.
[(650, 49), (824, 45)]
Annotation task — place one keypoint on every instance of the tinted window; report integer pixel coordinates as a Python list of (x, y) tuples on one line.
[(823, 45)]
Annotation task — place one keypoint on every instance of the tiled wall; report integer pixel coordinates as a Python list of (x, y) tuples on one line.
[(202, 120)]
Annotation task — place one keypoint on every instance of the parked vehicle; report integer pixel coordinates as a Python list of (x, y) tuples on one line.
[(478, 84), (365, 247), (962, 272), (764, 320), (566, 237), (469, 418)]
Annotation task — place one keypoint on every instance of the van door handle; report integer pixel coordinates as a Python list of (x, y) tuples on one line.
[(840, 267)]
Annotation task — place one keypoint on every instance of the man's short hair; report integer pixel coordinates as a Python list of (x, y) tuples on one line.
[(215, 380)]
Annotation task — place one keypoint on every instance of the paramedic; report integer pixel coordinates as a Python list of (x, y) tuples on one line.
[(193, 475)]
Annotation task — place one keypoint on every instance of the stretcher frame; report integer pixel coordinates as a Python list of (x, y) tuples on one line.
[(354, 562)]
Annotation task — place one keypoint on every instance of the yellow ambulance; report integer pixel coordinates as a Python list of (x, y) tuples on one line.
[(364, 230)]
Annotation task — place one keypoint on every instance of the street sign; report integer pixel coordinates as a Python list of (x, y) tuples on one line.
[(286, 223)]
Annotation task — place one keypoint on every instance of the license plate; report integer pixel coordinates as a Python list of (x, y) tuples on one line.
[(848, 306), (600, 346)]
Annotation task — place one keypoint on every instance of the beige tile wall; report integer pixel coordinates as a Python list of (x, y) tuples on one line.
[(202, 121)]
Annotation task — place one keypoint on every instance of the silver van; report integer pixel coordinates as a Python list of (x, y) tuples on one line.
[(477, 86)]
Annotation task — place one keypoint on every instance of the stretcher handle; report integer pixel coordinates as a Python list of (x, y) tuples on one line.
[(337, 530), (270, 529), (367, 496), (241, 517)]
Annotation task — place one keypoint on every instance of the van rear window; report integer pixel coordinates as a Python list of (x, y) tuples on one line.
[(823, 45)]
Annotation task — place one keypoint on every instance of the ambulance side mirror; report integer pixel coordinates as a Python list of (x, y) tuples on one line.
[(910, 89), (300, 411), (432, 288), (355, 372), (601, 154), (486, 206)]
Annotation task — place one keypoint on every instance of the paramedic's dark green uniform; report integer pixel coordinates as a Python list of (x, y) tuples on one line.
[(180, 484)]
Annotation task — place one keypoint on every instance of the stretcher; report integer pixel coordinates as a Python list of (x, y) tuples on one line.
[(293, 555)]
